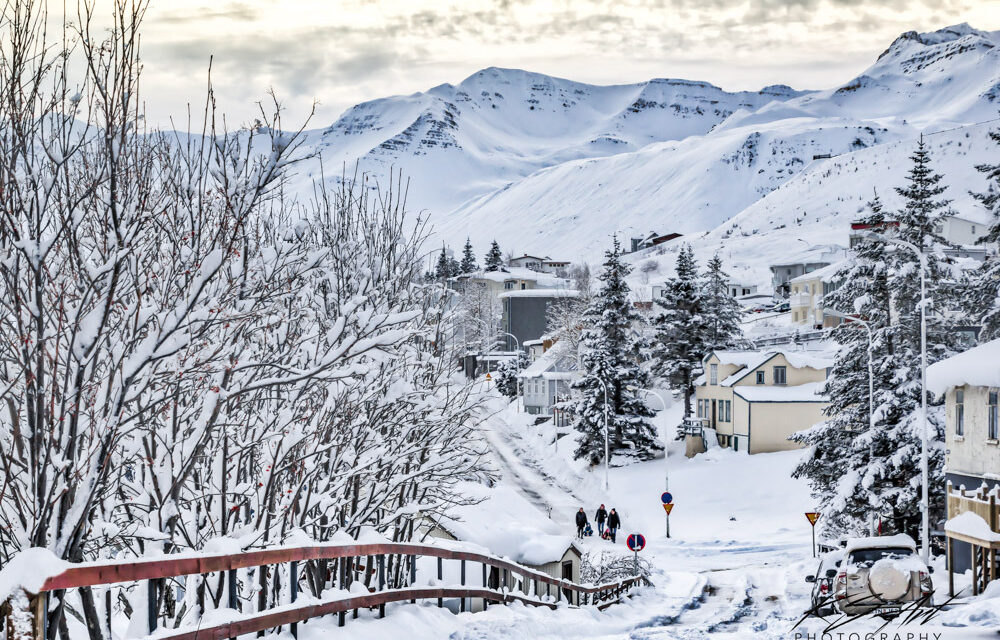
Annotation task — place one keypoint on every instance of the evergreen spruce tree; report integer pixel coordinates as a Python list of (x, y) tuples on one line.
[(468, 264), (611, 361), (442, 270), (860, 472), (897, 480), (454, 268), (680, 328), (983, 298), (844, 452), (720, 310), (494, 258)]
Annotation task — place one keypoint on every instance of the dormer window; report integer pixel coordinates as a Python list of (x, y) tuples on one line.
[(713, 373), (760, 377)]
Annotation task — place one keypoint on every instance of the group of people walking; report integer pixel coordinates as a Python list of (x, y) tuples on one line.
[(607, 524)]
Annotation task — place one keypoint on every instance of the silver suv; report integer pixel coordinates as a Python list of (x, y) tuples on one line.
[(880, 576)]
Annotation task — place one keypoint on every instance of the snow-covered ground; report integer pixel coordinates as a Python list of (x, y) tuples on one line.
[(734, 566)]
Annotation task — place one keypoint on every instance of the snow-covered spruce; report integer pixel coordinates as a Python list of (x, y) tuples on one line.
[(681, 328), (859, 473), (983, 294), (610, 362)]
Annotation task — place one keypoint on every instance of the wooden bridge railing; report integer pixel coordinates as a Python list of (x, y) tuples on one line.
[(497, 586)]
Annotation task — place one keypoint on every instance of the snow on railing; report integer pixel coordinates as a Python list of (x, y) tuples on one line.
[(27, 583)]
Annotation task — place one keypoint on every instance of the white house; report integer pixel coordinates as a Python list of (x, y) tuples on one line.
[(806, 296), (970, 384), (546, 382)]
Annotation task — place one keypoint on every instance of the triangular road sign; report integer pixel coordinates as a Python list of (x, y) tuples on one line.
[(813, 517), (668, 507)]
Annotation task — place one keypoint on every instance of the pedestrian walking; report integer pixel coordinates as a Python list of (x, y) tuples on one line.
[(601, 516), (614, 523), (581, 522)]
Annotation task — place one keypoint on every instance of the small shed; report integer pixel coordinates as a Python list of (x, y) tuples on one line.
[(509, 526)]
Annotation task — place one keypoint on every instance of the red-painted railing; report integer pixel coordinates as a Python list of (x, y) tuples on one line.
[(498, 586)]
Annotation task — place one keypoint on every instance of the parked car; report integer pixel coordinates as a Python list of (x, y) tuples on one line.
[(783, 307), (880, 576), (821, 597)]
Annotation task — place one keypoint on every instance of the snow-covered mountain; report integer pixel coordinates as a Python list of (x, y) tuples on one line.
[(499, 125), (555, 167)]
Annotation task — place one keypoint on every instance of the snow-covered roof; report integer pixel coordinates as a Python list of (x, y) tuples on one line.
[(823, 273), (540, 293), (750, 360), (809, 392), (508, 525), (552, 366), (972, 525), (976, 367), (516, 273)]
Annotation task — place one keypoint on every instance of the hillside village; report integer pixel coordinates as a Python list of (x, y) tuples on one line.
[(516, 357)]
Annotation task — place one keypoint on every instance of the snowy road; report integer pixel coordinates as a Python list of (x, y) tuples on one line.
[(734, 567)]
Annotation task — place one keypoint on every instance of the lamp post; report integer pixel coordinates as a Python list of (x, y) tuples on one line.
[(924, 473), (666, 471), (607, 444), (871, 383)]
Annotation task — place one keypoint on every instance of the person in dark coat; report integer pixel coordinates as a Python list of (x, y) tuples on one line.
[(581, 522), (614, 523), (601, 516)]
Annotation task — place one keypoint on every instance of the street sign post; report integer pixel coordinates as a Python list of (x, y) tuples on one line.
[(668, 504), (813, 516), (636, 542)]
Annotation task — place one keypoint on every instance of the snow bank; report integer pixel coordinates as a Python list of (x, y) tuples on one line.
[(977, 367), (972, 525), (28, 570)]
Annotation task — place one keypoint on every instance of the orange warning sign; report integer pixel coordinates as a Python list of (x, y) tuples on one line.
[(813, 517), (489, 377), (668, 507)]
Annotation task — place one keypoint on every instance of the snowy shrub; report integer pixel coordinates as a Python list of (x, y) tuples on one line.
[(602, 567)]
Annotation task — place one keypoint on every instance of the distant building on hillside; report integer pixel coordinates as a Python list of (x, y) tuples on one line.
[(782, 274), (542, 265), (651, 240), (753, 401), (546, 382), (737, 289), (807, 293), (509, 279)]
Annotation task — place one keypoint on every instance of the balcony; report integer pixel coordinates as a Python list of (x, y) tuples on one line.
[(694, 426), (800, 300)]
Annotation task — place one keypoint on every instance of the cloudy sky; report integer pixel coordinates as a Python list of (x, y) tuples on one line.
[(340, 52)]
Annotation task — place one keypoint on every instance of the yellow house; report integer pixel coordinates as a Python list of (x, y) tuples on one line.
[(806, 293), (755, 400)]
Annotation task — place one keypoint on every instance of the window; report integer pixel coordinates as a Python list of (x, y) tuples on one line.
[(779, 375), (726, 410), (713, 373), (959, 412), (699, 409), (991, 425), (760, 377), (508, 285)]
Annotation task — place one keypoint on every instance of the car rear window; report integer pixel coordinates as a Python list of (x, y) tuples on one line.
[(865, 558)]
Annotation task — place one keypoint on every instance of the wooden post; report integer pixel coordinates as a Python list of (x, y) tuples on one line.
[(151, 601), (107, 611), (38, 604), (461, 606), (413, 575), (950, 549), (381, 572), (293, 589), (234, 602), (440, 578), (975, 580)]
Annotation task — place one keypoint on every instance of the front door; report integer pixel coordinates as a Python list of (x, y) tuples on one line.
[(713, 413), (567, 574)]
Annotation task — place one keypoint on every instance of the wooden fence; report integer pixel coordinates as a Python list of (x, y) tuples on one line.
[(534, 588)]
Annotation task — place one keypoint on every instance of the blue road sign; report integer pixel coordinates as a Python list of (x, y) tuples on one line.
[(636, 542), (666, 497)]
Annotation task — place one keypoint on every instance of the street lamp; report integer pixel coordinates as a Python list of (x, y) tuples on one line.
[(871, 383), (666, 471), (607, 445), (925, 507)]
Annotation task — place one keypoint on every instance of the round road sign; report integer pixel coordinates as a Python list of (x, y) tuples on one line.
[(636, 542), (666, 497)]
